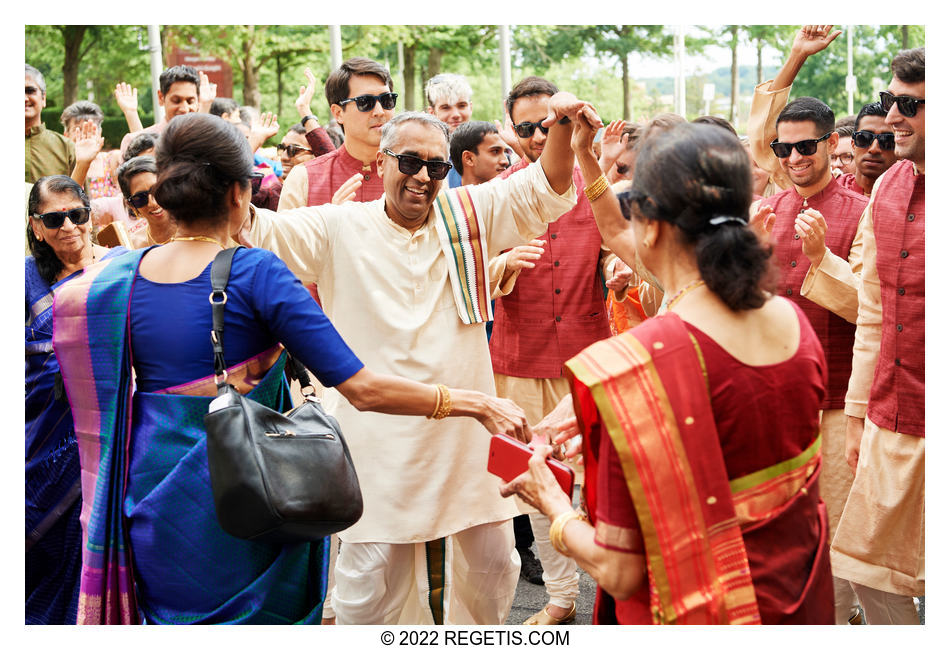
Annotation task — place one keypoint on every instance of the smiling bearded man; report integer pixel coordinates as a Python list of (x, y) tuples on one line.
[(404, 279)]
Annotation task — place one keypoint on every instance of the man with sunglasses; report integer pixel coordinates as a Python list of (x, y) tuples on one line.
[(361, 98), (435, 541), (816, 219), (879, 545), (47, 153)]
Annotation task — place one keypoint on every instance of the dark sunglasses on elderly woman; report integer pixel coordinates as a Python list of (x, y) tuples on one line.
[(804, 147), (410, 165), (54, 220), (366, 103), (864, 140), (905, 104)]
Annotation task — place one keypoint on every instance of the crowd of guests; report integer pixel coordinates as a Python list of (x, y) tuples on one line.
[(723, 335)]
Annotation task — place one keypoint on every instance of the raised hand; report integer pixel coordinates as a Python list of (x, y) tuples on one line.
[(812, 39), (126, 97), (207, 92), (265, 127), (613, 144), (582, 137), (347, 191), (811, 227), (564, 104), (89, 142), (302, 102), (523, 257)]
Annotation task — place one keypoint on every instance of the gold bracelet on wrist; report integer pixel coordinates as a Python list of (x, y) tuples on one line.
[(556, 533), (595, 189), (444, 405), (438, 402)]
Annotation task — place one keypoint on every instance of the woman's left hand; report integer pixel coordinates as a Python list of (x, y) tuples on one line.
[(538, 487)]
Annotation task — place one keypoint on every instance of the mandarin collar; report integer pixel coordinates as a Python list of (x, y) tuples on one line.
[(35, 130)]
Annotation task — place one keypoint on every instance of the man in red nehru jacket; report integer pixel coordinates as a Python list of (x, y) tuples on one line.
[(879, 545), (361, 98), (806, 137), (546, 315)]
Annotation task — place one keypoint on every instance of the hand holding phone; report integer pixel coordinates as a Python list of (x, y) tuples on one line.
[(508, 458)]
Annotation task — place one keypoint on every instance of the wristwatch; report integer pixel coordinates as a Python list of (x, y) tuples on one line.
[(303, 122)]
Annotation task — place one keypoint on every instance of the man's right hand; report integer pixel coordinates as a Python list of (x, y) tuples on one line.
[(812, 39), (126, 97), (347, 191), (523, 257), (854, 431)]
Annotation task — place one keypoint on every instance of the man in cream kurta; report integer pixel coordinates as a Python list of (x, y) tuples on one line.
[(431, 510)]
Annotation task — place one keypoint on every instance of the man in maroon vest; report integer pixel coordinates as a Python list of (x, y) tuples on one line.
[(879, 545), (806, 137), (361, 100), (549, 314)]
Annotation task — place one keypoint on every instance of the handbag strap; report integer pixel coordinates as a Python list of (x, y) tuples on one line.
[(296, 370), (220, 272)]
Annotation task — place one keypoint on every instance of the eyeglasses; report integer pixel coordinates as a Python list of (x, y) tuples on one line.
[(864, 140), (140, 199), (292, 149), (410, 165), (526, 129), (31, 90), (804, 147), (905, 104), (53, 220), (844, 159), (366, 103)]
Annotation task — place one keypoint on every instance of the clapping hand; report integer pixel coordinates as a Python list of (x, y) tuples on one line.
[(347, 191), (762, 223), (811, 227)]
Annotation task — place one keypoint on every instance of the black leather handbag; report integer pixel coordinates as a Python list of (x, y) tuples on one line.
[(276, 477)]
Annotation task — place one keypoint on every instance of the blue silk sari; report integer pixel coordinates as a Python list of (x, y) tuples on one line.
[(153, 551)]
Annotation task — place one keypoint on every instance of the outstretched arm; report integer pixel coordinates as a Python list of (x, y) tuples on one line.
[(557, 159)]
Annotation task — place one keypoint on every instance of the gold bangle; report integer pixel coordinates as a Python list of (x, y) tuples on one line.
[(438, 401), (595, 189), (444, 406), (556, 533)]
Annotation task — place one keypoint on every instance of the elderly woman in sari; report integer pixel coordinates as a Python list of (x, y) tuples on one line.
[(700, 426), (146, 486), (60, 245)]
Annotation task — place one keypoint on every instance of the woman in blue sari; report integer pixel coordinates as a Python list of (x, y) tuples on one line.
[(58, 234), (152, 548)]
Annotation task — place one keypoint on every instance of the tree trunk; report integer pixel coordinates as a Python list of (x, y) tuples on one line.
[(905, 37), (280, 84), (409, 92), (758, 61), (433, 67), (251, 93), (625, 79), (734, 100), (72, 44)]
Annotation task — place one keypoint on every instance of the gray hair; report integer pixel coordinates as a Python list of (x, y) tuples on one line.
[(390, 132), (447, 85), (37, 76), (82, 110)]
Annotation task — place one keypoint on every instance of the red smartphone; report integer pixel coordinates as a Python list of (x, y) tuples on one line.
[(508, 458)]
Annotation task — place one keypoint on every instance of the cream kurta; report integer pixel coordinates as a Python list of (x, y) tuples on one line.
[(388, 293)]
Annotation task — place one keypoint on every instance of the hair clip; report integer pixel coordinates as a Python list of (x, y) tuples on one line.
[(716, 221)]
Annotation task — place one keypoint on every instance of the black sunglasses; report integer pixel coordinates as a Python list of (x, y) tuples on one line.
[(256, 179), (140, 199), (864, 140), (54, 220), (292, 149), (410, 165), (905, 104), (804, 147), (366, 103), (526, 129)]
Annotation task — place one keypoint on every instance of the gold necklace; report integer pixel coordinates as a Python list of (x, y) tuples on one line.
[(682, 292), (197, 238), (148, 234)]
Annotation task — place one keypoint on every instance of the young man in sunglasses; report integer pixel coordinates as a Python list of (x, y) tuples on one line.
[(47, 153), (361, 98), (879, 545), (816, 221), (435, 542), (544, 316)]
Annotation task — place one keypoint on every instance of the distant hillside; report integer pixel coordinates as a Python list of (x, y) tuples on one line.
[(721, 77)]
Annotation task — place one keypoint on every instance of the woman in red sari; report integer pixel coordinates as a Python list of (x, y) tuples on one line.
[(700, 426)]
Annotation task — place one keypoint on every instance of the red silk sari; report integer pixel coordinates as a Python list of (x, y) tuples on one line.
[(645, 394)]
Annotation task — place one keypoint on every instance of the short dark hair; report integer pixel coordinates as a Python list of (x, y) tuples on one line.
[(908, 65), (661, 122), (874, 108), (526, 88), (81, 110), (337, 87), (47, 263), (199, 158), (688, 176), (847, 120), (845, 131), (808, 109), (297, 128), (715, 120), (467, 137), (633, 131), (176, 74), (142, 142), (131, 168), (222, 105)]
